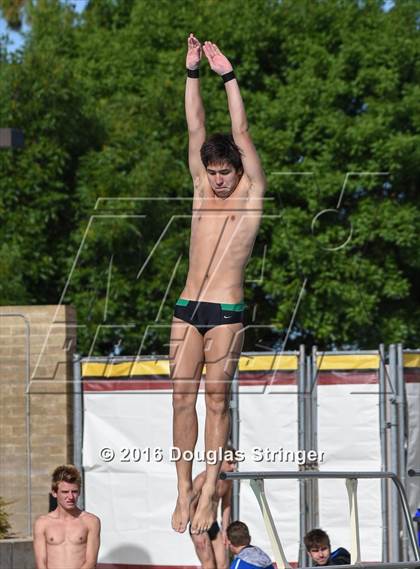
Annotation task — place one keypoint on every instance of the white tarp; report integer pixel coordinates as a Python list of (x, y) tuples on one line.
[(268, 423), (134, 499), (134, 494), (413, 450), (348, 433)]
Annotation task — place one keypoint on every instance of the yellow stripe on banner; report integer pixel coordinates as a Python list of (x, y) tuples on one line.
[(348, 362), (161, 367), (268, 363), (411, 360), (125, 369)]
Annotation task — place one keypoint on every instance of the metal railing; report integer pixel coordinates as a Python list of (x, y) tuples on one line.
[(257, 485), (396, 565)]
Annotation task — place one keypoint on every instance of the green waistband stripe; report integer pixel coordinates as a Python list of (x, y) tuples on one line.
[(233, 307)]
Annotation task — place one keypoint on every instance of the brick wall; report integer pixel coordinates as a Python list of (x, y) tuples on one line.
[(41, 406)]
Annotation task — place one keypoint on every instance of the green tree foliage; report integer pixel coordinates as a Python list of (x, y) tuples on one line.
[(4, 519), (95, 210), (12, 10)]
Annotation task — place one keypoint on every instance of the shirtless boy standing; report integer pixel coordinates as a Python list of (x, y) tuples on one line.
[(66, 538), (207, 328)]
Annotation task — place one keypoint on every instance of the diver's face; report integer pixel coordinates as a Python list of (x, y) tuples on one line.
[(223, 179)]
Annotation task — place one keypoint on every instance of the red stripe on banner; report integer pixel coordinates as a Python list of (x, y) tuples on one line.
[(149, 383), (412, 376), (267, 378), (245, 380), (126, 385), (347, 379)]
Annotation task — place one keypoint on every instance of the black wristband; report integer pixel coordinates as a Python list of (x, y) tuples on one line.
[(228, 76), (193, 73)]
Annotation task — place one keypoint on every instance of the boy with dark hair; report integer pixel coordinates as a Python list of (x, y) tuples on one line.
[(317, 543), (221, 148), (207, 327), (247, 556)]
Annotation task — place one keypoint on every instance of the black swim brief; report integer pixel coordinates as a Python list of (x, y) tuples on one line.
[(212, 532), (207, 315)]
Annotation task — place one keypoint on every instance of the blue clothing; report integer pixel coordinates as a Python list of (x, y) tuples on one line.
[(251, 557), (339, 557)]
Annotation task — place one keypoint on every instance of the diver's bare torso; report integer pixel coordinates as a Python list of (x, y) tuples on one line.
[(66, 539), (223, 232)]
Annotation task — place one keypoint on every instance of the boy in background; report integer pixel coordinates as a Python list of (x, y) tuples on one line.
[(318, 545), (247, 556)]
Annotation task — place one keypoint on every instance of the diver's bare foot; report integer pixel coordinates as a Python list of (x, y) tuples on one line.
[(181, 515), (205, 514)]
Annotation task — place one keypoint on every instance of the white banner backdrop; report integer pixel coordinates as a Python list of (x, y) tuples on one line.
[(134, 494), (269, 429), (131, 485), (348, 434), (413, 450)]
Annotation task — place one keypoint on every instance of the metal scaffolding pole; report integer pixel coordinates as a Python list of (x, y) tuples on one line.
[(395, 514), (258, 489), (351, 485), (312, 440), (302, 427), (234, 409), (402, 439), (78, 422), (384, 452)]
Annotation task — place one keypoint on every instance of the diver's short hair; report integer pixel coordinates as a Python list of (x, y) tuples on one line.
[(220, 148)]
